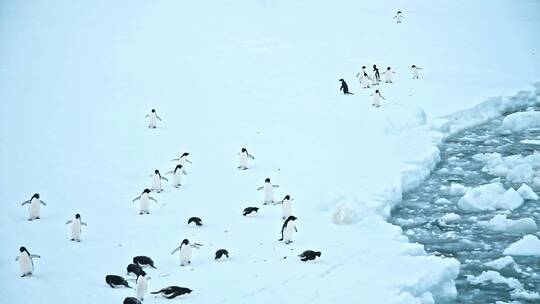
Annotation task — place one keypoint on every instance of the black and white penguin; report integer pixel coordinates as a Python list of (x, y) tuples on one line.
[(309, 255), (288, 229), (415, 73), (399, 17), (220, 253), (172, 292), (376, 74), (116, 281), (377, 98), (142, 260), (185, 251), (152, 119), (344, 87), (196, 220), (144, 204), (75, 228), (156, 181), (361, 74), (249, 210), (25, 261), (141, 285), (388, 75), (244, 156), (182, 160), (268, 191), (131, 300), (286, 206), (135, 269), (35, 206), (177, 175)]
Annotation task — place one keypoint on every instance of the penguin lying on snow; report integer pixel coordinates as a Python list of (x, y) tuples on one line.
[(35, 206), (309, 255), (134, 269), (131, 300), (249, 210), (76, 227), (116, 281), (142, 260), (172, 292), (220, 253), (196, 220), (25, 261)]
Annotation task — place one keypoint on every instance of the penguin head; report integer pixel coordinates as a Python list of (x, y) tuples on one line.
[(377, 91), (142, 273), (146, 191), (36, 195), (399, 12), (292, 218), (244, 150), (178, 167), (374, 66), (185, 242), (267, 180), (342, 80), (153, 110), (365, 74), (364, 67), (185, 154), (23, 249), (318, 253), (78, 216), (188, 290), (413, 66), (287, 197), (156, 171), (388, 68)]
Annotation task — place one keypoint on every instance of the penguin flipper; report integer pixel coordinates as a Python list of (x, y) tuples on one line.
[(16, 259), (24, 203), (42, 202)]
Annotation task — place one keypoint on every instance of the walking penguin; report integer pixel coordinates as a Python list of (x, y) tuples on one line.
[(344, 87)]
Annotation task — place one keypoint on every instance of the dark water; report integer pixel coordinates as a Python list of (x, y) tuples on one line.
[(472, 244)]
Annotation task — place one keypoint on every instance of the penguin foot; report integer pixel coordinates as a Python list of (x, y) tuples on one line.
[(72, 240), (140, 213), (37, 218), (78, 241), (147, 212), (23, 275), (29, 219), (288, 242)]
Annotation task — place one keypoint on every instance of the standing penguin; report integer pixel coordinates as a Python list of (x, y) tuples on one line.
[(35, 206), (177, 175), (288, 229), (182, 160), (75, 228), (268, 191), (243, 162), (361, 74), (377, 98), (376, 74), (152, 119), (156, 181), (388, 75), (142, 286), (144, 204), (286, 206), (415, 73), (365, 81), (344, 87), (185, 251), (25, 261), (399, 17)]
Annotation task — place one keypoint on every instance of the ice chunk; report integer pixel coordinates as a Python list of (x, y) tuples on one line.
[(521, 121), (525, 295), (494, 277), (501, 223), (531, 141), (501, 263), (527, 193), (450, 217), (528, 245), (458, 189), (490, 197), (520, 173)]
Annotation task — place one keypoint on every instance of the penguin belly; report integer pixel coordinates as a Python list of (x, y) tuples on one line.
[(156, 183), (243, 160), (26, 263), (144, 205), (288, 232), (286, 209), (152, 121), (268, 194), (35, 208), (185, 255), (142, 287), (376, 100), (76, 230), (388, 77), (178, 178)]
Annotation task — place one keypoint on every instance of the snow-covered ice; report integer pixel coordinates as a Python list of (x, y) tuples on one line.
[(520, 121), (528, 245), (501, 263), (527, 193), (501, 223), (490, 197)]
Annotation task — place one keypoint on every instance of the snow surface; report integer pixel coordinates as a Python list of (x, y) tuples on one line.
[(528, 245), (77, 78)]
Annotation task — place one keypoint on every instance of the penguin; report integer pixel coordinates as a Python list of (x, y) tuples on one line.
[(377, 98), (268, 191), (366, 80), (399, 17), (309, 255), (131, 300), (196, 220), (152, 119), (35, 206), (243, 162), (388, 75), (172, 292), (344, 87), (220, 253), (75, 228), (185, 251), (116, 281), (249, 210), (145, 199), (360, 75), (134, 269), (156, 181), (288, 229), (25, 261), (177, 175), (415, 73), (376, 75), (286, 206), (182, 160), (142, 260), (141, 286)]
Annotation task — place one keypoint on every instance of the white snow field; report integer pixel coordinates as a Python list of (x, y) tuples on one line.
[(78, 77)]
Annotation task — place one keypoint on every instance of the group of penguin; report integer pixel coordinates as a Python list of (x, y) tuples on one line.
[(366, 80)]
